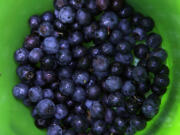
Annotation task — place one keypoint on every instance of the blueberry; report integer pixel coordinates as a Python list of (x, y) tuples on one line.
[(27, 102), (83, 63), (147, 23), (123, 47), (47, 17), (79, 94), (161, 80), (69, 119), (126, 11), (130, 131), (95, 51), (141, 51), (69, 132), (116, 36), (46, 108), (20, 91), (93, 92), (137, 19), (130, 39), (45, 29), (31, 41), (98, 127), (54, 86), (77, 4), (112, 130), (66, 87), (79, 109), (109, 116), (100, 34), (138, 123), (34, 21), (102, 4), (59, 98), (64, 73), (100, 63), (35, 55), (142, 63), (81, 77), (88, 103), (125, 59), (58, 4), (109, 20), (125, 26), (55, 121), (26, 73), (160, 53), (34, 113), (164, 70), (35, 94), (42, 123), (128, 89), (140, 74), (121, 111), (50, 45), (150, 108), (142, 88), (59, 25), (72, 64), (101, 75), (92, 81), (78, 51), (49, 76), (116, 5), (154, 64), (120, 123), (64, 57), (107, 48), (91, 6), (154, 40), (61, 111), (78, 123), (76, 26), (70, 103), (48, 93), (21, 55), (75, 38), (132, 106), (96, 110), (105, 99), (54, 130), (56, 13), (139, 33), (83, 17), (39, 79), (48, 63), (89, 31), (155, 98), (64, 44), (113, 83), (115, 99), (58, 34), (66, 15), (157, 90), (139, 99), (116, 68)]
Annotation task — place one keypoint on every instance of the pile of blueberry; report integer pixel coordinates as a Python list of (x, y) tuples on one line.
[(93, 67)]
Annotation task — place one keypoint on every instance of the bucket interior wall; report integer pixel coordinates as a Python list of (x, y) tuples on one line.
[(15, 119)]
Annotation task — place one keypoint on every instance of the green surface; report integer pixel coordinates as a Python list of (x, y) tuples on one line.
[(15, 119)]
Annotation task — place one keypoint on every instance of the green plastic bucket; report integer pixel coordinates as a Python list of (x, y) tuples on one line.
[(15, 119)]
